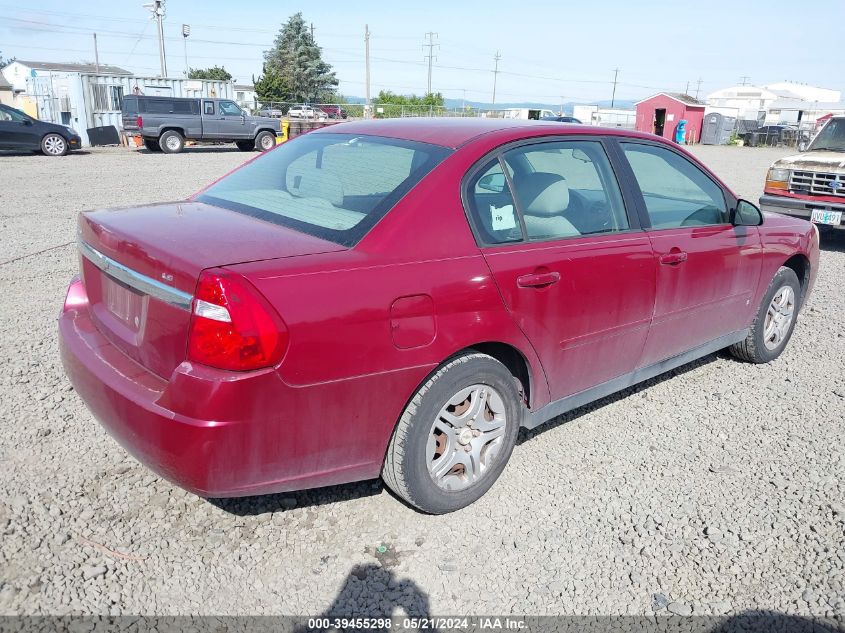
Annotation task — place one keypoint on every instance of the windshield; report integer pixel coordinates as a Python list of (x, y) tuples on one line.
[(831, 137), (332, 186)]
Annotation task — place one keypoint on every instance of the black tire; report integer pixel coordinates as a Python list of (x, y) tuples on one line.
[(54, 145), (265, 141), (754, 349), (245, 146), (152, 144), (171, 142), (406, 470)]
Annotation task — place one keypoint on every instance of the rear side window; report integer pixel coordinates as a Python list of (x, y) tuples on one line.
[(676, 192), (208, 107), (171, 106), (332, 186)]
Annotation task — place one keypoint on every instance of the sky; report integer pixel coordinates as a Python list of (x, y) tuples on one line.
[(550, 51)]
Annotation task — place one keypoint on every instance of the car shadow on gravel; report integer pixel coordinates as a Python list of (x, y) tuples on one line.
[(772, 621), (832, 241), (268, 504), (205, 149), (13, 153), (526, 435)]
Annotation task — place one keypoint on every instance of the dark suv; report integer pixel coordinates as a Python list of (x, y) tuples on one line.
[(166, 122), (21, 131)]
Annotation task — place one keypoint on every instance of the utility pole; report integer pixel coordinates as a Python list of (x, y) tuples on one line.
[(613, 96), (186, 31), (496, 58), (367, 62), (697, 88), (312, 31), (744, 79), (96, 54), (686, 90), (157, 9), (430, 57)]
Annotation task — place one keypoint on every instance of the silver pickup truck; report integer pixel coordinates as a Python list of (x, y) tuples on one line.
[(166, 122)]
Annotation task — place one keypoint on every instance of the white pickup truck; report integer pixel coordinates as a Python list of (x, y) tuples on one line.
[(527, 113), (811, 185)]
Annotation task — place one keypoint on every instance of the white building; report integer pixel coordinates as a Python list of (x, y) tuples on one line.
[(767, 103), (245, 96)]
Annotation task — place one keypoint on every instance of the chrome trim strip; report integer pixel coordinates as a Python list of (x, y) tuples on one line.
[(140, 282)]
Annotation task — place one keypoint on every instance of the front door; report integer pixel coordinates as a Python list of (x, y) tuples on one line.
[(231, 122), (574, 270), (707, 269), (16, 130)]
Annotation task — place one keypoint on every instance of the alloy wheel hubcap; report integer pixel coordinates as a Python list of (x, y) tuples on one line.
[(266, 142), (779, 317), (466, 437), (172, 142), (54, 145)]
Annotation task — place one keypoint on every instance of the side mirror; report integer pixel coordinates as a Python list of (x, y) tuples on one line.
[(492, 182), (746, 214), (27, 121)]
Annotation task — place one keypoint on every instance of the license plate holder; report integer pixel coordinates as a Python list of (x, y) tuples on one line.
[(820, 216)]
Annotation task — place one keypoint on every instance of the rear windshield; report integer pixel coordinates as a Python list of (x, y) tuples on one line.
[(333, 186), (130, 105)]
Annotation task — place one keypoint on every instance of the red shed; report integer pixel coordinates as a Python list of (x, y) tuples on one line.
[(660, 115)]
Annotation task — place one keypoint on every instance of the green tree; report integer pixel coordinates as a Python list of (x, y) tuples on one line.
[(297, 60), (271, 86), (429, 99), (215, 72)]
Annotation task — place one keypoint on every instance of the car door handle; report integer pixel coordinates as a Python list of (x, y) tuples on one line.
[(673, 258), (537, 280)]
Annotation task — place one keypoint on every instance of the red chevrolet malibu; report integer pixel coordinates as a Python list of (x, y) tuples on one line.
[(397, 298)]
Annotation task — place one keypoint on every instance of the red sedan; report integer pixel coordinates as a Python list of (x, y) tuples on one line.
[(396, 298)]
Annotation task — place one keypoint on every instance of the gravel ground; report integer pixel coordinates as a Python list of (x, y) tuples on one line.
[(718, 489)]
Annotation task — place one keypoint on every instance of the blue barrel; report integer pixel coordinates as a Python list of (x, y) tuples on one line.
[(681, 132)]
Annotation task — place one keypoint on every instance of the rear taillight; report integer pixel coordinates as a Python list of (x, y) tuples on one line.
[(140, 121), (233, 326)]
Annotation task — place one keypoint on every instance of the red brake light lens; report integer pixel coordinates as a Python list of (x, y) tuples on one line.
[(233, 326), (140, 121)]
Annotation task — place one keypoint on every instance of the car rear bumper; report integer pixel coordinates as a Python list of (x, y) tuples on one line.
[(217, 433), (799, 208)]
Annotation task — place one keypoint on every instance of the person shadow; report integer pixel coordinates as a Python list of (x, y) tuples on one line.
[(372, 591)]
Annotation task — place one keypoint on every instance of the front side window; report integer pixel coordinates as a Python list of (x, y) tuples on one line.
[(7, 114), (566, 189), (676, 192), (332, 186), (229, 108)]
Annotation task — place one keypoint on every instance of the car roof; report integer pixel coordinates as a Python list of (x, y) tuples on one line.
[(455, 132)]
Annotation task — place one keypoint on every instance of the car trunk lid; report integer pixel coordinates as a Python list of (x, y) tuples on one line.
[(140, 267)]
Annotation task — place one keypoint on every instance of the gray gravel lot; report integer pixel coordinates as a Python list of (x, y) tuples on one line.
[(718, 489)]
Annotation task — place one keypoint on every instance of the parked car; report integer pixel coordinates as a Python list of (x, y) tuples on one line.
[(275, 113), (304, 112), (334, 111), (165, 123), (811, 184), (527, 113), (399, 297), (22, 132), (562, 119)]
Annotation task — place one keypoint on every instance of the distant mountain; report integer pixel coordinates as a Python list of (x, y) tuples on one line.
[(453, 104)]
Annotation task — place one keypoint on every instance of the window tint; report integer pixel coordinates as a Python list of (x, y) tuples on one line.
[(491, 205), (229, 108), (11, 115), (676, 192), (209, 107), (130, 105), (566, 189), (333, 186), (171, 106)]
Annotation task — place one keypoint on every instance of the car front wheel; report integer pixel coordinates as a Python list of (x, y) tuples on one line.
[(265, 141), (54, 145), (455, 436), (775, 321)]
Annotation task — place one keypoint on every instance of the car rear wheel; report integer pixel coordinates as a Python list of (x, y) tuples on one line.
[(775, 320), (455, 436), (152, 145), (265, 141), (171, 142), (54, 145), (245, 146)]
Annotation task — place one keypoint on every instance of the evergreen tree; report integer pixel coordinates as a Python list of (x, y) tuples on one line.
[(271, 86), (297, 63)]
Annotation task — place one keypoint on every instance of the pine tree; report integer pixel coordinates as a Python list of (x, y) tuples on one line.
[(296, 61)]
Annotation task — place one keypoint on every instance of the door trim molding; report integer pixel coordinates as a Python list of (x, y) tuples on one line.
[(533, 419)]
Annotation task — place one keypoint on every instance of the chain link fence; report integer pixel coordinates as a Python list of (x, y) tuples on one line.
[(339, 111)]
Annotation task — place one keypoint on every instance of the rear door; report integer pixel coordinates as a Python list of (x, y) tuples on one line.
[(707, 269), (572, 265)]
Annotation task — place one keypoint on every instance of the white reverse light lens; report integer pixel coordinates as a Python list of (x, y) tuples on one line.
[(211, 311)]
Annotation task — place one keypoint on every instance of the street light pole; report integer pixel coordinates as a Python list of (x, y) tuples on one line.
[(186, 31)]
